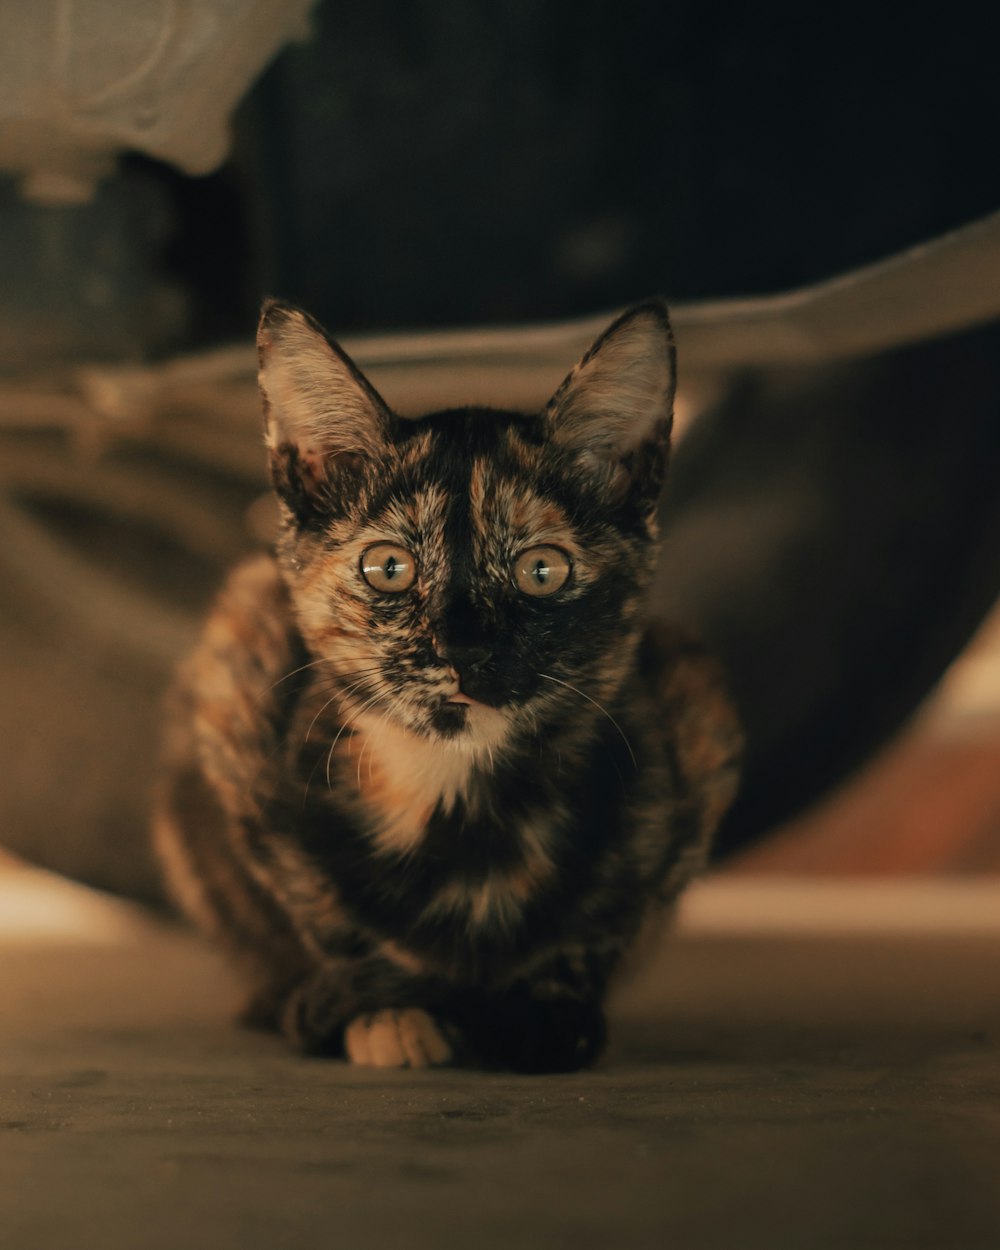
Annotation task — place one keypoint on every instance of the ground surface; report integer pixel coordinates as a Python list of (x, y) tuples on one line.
[(803, 1066)]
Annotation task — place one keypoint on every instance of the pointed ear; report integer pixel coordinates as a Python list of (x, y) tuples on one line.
[(322, 416), (615, 409)]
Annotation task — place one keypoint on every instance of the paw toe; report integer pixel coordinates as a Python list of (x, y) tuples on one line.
[(396, 1039)]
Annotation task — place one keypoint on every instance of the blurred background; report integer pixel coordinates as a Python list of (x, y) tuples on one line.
[(464, 193)]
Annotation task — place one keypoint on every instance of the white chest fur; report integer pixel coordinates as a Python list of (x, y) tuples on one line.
[(403, 777)]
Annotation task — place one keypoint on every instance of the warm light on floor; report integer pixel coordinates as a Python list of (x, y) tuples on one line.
[(40, 907)]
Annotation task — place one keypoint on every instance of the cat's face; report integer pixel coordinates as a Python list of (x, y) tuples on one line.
[(467, 572)]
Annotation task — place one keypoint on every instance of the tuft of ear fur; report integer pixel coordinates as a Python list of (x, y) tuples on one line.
[(322, 416), (614, 410)]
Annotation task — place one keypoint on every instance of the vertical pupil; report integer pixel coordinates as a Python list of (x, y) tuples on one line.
[(391, 566), (541, 571)]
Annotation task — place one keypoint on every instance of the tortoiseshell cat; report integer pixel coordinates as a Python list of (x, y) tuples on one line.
[(430, 767)]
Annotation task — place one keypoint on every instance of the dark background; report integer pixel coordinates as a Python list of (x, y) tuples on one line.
[(446, 162), (833, 532)]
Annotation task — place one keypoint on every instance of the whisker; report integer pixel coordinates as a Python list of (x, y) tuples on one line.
[(312, 773), (288, 676), (380, 729), (346, 691), (335, 686), (348, 721), (364, 747), (603, 710), (312, 723)]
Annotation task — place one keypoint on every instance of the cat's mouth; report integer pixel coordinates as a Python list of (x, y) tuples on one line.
[(461, 716), (451, 717)]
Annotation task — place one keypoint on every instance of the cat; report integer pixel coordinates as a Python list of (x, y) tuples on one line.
[(430, 769)]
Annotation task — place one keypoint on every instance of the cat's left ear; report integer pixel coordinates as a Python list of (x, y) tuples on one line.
[(613, 413)]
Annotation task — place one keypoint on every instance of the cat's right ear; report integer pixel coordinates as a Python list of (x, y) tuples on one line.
[(322, 417)]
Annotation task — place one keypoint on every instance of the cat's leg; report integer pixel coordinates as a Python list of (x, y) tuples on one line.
[(370, 1011), (691, 710), (223, 731), (551, 1020), (277, 915), (214, 885)]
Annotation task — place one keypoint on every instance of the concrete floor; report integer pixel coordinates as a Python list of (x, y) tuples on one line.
[(802, 1066)]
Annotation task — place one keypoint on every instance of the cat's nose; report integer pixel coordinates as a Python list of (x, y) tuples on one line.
[(466, 657), (464, 639)]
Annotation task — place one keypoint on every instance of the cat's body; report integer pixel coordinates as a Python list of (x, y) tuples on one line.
[(429, 769)]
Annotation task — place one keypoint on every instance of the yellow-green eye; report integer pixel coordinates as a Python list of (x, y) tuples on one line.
[(388, 567), (542, 570)]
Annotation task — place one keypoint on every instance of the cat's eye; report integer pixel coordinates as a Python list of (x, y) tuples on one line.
[(542, 570), (388, 567)]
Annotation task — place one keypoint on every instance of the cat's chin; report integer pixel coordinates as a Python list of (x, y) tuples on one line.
[(469, 725), (451, 720)]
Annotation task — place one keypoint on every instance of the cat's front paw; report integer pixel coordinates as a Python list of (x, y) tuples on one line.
[(396, 1038), (313, 1014), (526, 1031), (559, 1034)]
